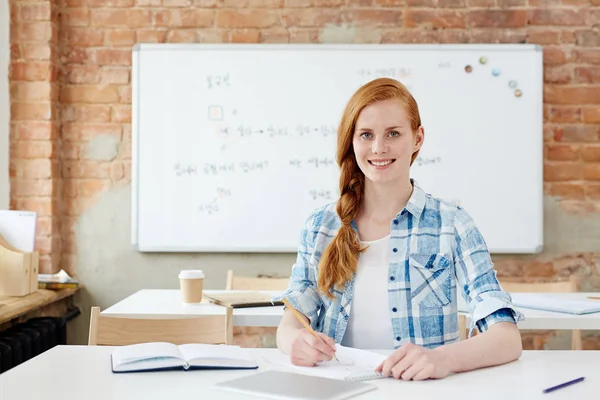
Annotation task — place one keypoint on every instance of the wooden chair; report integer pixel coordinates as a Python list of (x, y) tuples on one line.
[(119, 331), (570, 285), (249, 283)]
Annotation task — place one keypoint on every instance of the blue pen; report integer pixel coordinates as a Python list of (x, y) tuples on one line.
[(562, 385)]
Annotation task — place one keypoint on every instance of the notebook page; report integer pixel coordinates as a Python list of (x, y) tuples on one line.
[(145, 351), (351, 362), (200, 351), (547, 302)]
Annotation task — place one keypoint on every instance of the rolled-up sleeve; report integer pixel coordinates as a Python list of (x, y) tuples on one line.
[(302, 290), (488, 303)]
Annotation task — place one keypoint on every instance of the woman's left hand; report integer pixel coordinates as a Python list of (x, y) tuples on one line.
[(412, 362)]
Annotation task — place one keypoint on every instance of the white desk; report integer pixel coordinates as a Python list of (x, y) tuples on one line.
[(167, 302), (83, 372)]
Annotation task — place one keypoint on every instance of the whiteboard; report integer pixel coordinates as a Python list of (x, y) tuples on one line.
[(234, 144)]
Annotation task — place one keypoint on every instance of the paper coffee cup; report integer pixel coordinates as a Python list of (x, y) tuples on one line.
[(191, 282)]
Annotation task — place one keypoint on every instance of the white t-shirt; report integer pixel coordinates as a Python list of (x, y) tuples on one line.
[(369, 323)]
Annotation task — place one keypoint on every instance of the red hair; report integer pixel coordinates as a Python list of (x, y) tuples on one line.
[(340, 258)]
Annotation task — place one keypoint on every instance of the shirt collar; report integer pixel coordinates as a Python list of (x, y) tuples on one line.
[(416, 203)]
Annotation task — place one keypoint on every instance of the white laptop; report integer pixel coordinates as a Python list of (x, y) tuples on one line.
[(273, 384)]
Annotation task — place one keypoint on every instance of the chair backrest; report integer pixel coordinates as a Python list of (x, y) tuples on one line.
[(570, 285), (565, 286), (248, 283), (120, 331)]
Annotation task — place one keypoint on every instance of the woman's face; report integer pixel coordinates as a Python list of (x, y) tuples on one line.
[(384, 142)]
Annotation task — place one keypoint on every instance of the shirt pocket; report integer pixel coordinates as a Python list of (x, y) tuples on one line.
[(430, 279)]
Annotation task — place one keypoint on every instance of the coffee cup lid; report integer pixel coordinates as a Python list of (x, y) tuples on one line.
[(191, 274)]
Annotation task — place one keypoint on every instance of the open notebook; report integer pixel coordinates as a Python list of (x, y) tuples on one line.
[(242, 299), (160, 356), (353, 364), (556, 304)]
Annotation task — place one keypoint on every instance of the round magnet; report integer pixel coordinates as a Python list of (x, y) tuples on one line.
[(495, 72), (512, 84), (482, 60), (468, 69), (518, 93)]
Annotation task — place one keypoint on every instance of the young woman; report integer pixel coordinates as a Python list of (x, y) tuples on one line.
[(381, 268)]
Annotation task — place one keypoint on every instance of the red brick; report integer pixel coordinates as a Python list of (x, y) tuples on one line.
[(562, 152), (151, 36), (543, 37), (248, 18), (84, 131), (34, 51), (34, 130), (32, 71), (588, 56), (125, 94), (185, 18), (379, 18), (557, 75), (591, 153), (35, 169), (454, 36), (89, 94), (35, 11), (120, 37), (31, 111), (114, 76), (587, 74), (32, 187), (85, 113), (421, 3), (30, 91), (121, 113), (576, 133), (100, 3), (245, 36), (331, 3), (593, 191), (181, 36), (554, 56), (572, 94), (117, 172), (591, 115), (567, 190), (563, 171), (591, 171), (177, 3), (82, 73), (564, 114), (435, 19), (39, 31), (71, 151), (70, 17), (120, 18), (203, 3), (78, 55), (42, 205), (409, 36), (274, 35), (558, 17), (33, 149), (498, 36), (497, 18), (83, 37), (588, 38), (113, 57)]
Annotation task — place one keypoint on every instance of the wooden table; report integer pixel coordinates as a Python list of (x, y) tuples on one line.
[(13, 307), (84, 372)]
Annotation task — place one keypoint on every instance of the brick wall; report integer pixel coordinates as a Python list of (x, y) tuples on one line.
[(70, 91)]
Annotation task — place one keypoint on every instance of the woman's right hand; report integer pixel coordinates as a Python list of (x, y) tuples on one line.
[(307, 350)]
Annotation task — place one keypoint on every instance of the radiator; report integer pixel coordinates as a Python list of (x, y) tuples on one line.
[(28, 339)]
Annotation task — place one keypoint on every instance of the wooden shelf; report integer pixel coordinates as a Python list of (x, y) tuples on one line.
[(13, 307)]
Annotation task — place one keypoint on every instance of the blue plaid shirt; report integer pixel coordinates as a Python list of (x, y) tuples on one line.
[(435, 248)]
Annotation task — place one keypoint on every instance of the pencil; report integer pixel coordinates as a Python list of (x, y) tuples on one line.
[(593, 297), (303, 322)]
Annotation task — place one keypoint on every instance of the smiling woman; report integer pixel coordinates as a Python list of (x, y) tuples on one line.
[(4, 104)]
